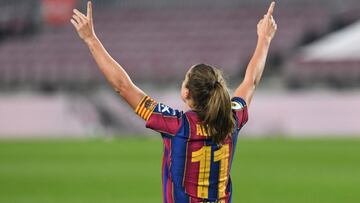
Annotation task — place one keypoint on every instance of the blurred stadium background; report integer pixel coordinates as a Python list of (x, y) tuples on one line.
[(51, 88)]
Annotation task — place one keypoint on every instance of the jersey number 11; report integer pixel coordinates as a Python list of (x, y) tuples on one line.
[(203, 156)]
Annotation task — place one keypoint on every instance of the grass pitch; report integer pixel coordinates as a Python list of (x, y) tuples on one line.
[(129, 170)]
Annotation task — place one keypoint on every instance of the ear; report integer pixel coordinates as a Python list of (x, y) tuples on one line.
[(186, 93)]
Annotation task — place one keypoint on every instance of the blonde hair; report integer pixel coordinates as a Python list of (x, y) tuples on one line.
[(211, 101)]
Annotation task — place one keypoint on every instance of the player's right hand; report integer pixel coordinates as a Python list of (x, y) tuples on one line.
[(267, 27), (84, 24)]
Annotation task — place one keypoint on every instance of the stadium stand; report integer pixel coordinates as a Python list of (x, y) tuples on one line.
[(157, 41), (333, 60), (18, 18), (151, 44)]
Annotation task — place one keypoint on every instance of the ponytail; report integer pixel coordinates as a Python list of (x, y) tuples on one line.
[(211, 101), (218, 118)]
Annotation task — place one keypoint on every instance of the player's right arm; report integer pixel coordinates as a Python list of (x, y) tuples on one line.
[(266, 29), (112, 70)]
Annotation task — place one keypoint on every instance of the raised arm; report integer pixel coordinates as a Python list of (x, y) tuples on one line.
[(113, 71), (266, 29)]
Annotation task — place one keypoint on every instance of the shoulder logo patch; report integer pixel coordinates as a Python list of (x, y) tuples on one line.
[(236, 106)]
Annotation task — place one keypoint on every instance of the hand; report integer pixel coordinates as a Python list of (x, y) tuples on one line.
[(267, 27), (84, 24)]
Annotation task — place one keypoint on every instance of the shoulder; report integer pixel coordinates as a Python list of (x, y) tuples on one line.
[(240, 111), (237, 103)]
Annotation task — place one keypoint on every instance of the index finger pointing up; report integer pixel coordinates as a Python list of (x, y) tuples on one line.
[(89, 10), (271, 8)]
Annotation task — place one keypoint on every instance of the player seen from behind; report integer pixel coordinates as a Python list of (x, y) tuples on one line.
[(199, 144)]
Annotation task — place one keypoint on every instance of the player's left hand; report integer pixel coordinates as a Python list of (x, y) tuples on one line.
[(84, 24), (267, 26)]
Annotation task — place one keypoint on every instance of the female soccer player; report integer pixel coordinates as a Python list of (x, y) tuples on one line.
[(199, 144)]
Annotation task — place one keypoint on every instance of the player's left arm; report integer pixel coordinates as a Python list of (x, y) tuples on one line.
[(266, 30), (112, 70)]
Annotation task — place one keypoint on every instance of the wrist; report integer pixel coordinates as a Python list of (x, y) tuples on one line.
[(90, 40), (264, 40)]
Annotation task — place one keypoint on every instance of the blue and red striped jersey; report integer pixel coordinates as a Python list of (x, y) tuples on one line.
[(194, 168)]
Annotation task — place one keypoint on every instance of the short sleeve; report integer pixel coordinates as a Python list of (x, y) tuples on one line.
[(240, 110), (158, 116)]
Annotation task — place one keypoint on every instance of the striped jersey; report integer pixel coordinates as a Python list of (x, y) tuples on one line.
[(194, 168)]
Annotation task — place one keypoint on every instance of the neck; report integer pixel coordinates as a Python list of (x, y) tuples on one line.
[(189, 104)]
